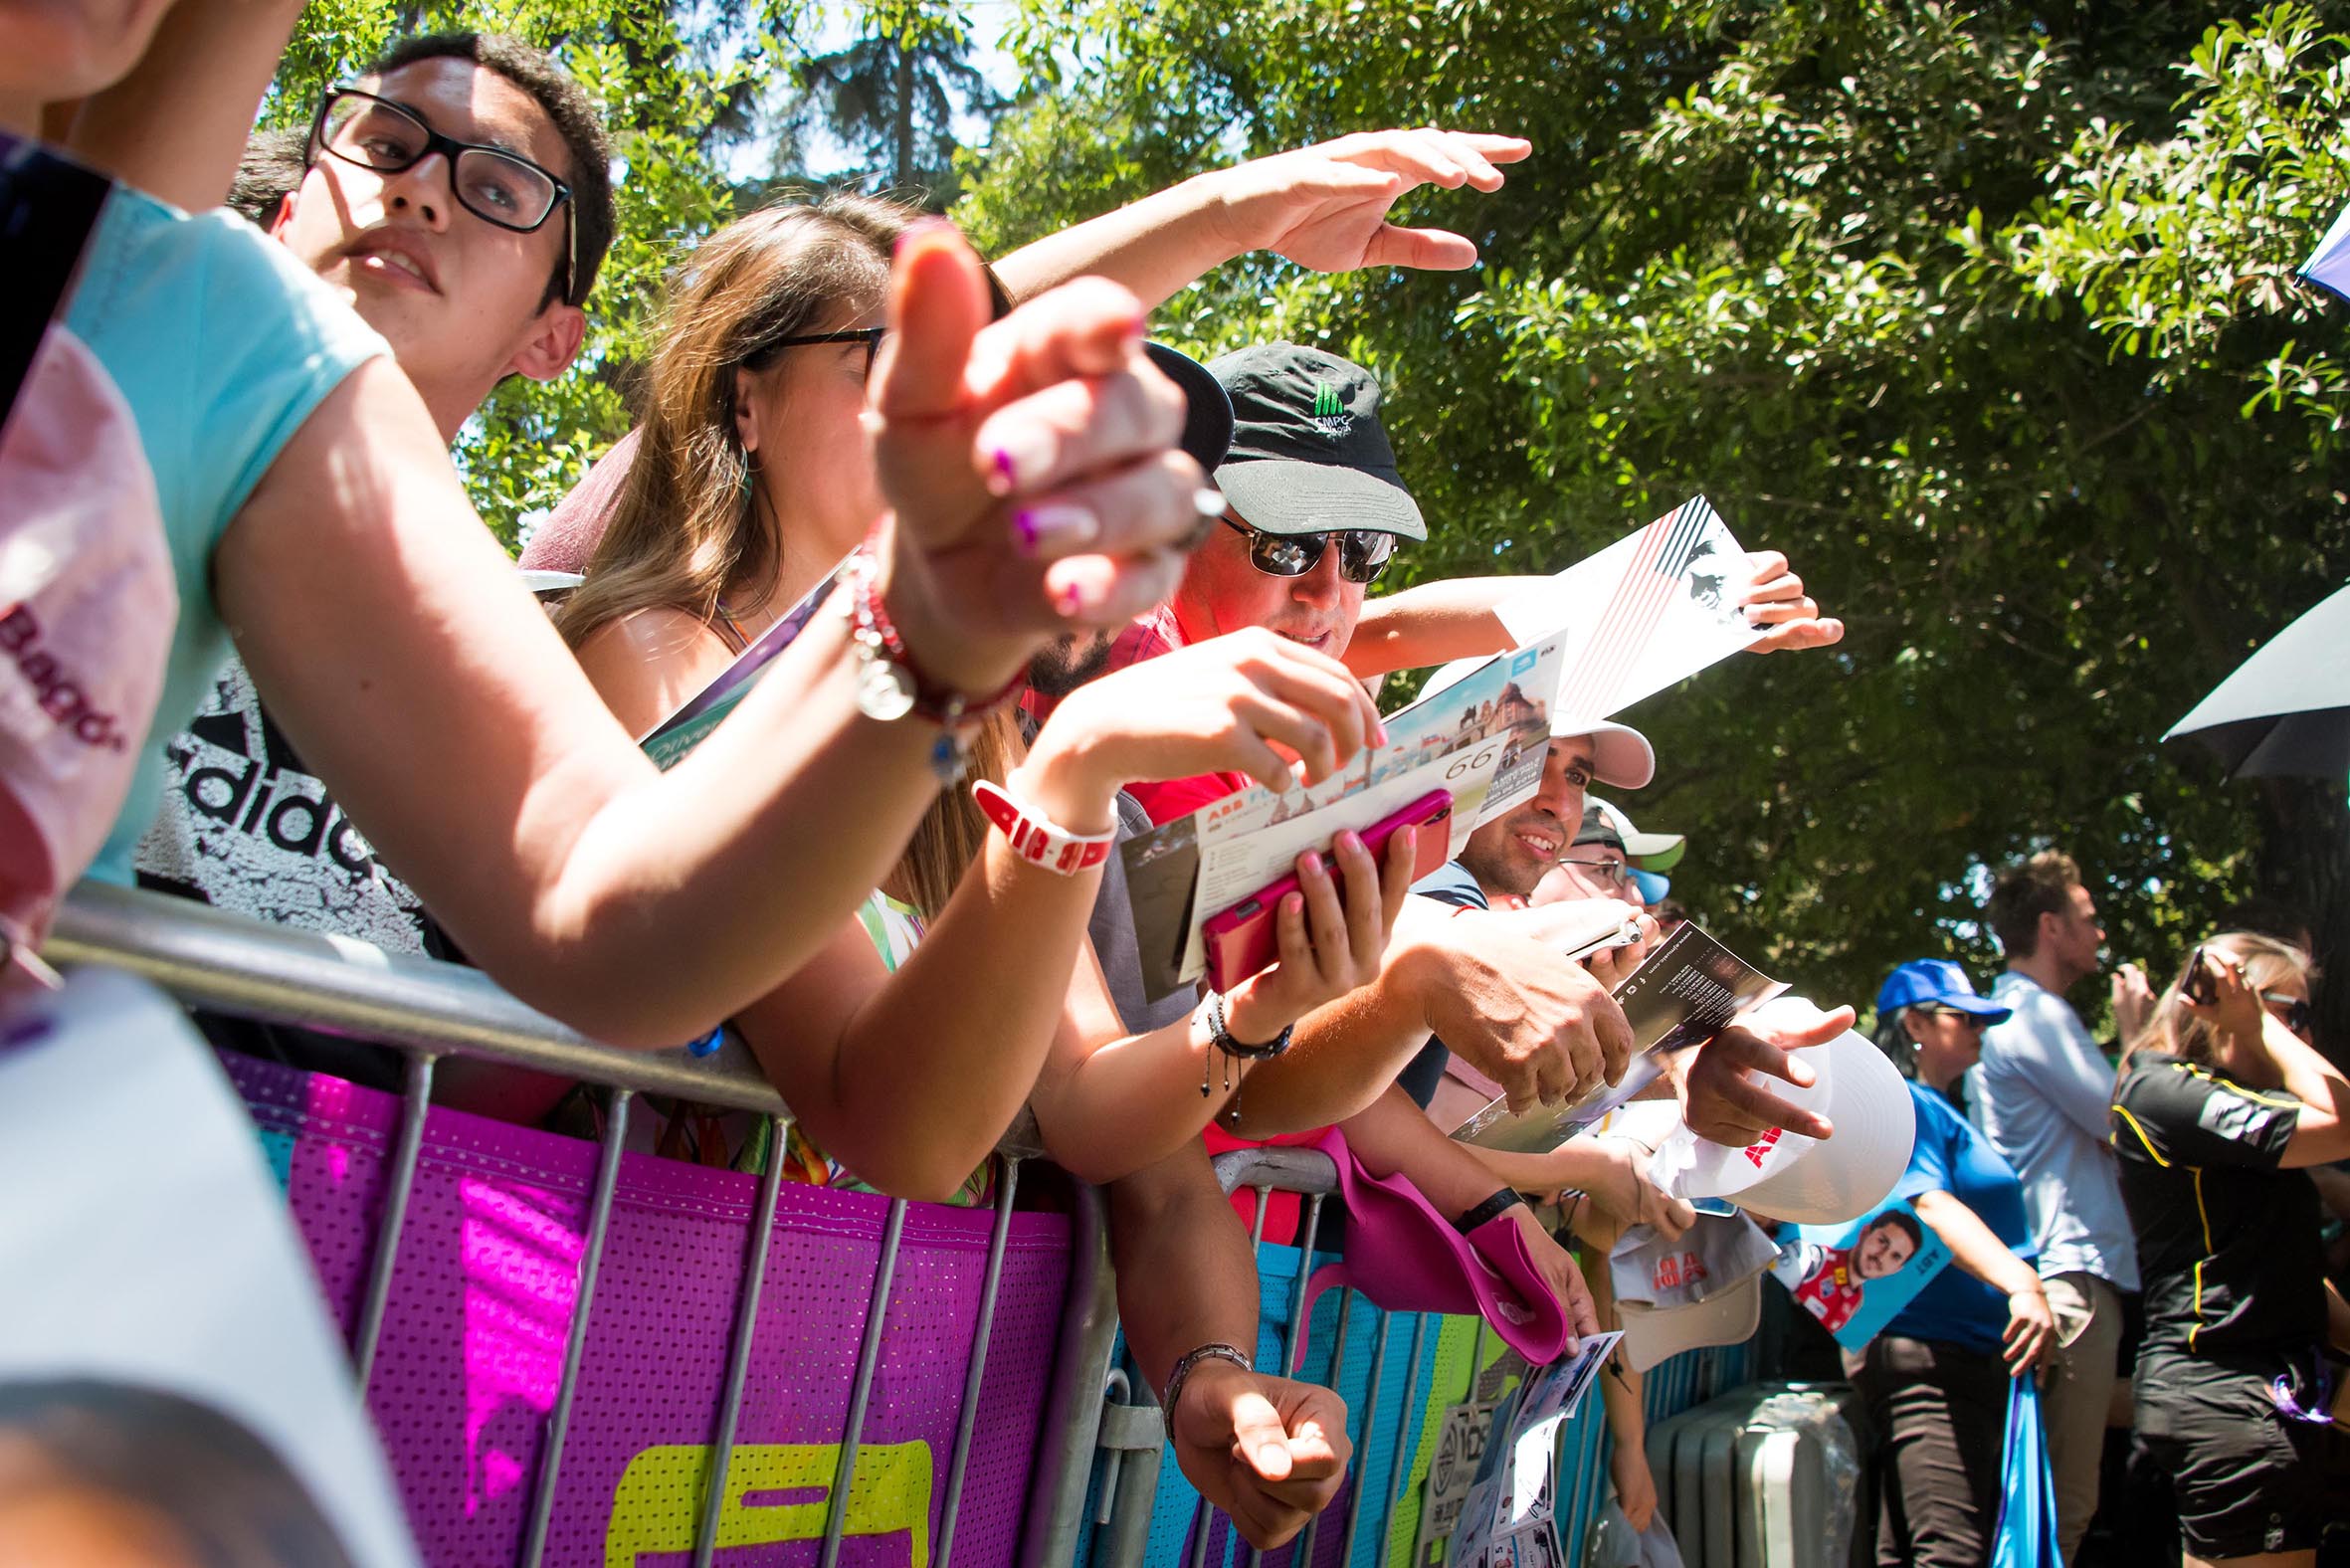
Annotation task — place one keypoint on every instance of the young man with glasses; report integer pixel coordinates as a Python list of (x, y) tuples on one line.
[(459, 194)]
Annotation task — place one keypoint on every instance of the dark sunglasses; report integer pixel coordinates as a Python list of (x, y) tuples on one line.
[(2292, 1010), (1363, 553), (870, 337), (1976, 1019), (492, 184)]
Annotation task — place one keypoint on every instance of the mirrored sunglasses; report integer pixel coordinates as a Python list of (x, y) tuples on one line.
[(1363, 553)]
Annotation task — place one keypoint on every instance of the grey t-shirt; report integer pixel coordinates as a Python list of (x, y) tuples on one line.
[(1115, 942)]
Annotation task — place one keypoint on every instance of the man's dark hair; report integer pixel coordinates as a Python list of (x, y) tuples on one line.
[(272, 164), (575, 119), (1900, 1220), (2027, 891)]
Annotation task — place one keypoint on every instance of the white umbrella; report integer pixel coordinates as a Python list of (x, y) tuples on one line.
[(2330, 264)]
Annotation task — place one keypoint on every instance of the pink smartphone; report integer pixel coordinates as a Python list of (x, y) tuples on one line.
[(1242, 940)]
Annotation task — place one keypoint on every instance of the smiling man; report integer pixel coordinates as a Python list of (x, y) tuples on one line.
[(460, 194)]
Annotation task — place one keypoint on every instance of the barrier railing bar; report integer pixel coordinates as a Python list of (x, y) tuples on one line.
[(1200, 1512), (1114, 1390), (1337, 1362), (213, 959), (407, 1148), (1072, 1411), (1294, 1342), (968, 1419), (1402, 1473), (738, 1354), (542, 1504), (1354, 1504), (868, 1359)]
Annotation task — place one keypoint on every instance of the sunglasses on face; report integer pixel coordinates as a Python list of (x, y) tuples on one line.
[(492, 184), (1972, 1020), (1363, 553), (870, 337), (2292, 1010)]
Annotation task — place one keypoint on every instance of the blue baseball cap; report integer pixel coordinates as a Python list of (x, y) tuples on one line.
[(1940, 983)]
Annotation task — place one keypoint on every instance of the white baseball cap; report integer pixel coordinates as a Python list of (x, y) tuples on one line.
[(1621, 756), (1812, 1181), (1647, 852)]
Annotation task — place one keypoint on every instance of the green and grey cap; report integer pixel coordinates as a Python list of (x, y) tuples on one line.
[(1307, 453)]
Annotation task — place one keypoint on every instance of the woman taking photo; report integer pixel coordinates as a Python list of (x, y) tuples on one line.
[(2223, 1104), (1936, 1377)]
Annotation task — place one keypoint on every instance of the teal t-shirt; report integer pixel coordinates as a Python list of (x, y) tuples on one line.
[(222, 343)]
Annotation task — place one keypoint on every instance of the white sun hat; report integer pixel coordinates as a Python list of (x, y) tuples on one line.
[(1811, 1181)]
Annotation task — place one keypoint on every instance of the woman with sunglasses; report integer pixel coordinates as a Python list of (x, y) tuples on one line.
[(1936, 1377), (2225, 1103), (963, 988)]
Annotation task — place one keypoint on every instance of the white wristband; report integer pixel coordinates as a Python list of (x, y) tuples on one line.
[(1037, 837)]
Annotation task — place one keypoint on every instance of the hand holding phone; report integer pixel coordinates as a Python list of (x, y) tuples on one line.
[(1242, 940), (2197, 986)]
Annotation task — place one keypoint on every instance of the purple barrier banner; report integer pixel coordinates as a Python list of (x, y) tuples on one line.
[(472, 1353)]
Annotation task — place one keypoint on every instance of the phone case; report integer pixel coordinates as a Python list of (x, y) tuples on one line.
[(1242, 940)]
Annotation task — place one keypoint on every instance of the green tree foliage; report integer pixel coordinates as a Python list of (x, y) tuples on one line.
[(1983, 317)]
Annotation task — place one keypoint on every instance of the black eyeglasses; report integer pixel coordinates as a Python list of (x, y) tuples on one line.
[(1974, 1020), (2293, 1012), (870, 337), (1363, 553), (1616, 872), (492, 183)]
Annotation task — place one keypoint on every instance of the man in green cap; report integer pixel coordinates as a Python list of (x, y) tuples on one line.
[(1315, 511)]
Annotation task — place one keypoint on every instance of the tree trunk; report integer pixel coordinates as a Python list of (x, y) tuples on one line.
[(904, 172), (2305, 863)]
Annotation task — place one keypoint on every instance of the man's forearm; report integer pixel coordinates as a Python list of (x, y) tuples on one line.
[(1434, 624), (1186, 1277)]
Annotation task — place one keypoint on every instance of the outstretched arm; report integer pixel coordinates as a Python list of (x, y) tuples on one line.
[(177, 126), (1268, 1451), (389, 636), (1395, 1136), (1325, 207)]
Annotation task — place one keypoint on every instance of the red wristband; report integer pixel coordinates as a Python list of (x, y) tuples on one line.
[(1036, 838)]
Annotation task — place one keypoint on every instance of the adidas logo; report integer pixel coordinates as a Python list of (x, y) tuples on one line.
[(1329, 415)]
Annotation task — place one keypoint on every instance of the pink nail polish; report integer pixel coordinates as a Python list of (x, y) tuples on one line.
[(1000, 482), (1067, 601)]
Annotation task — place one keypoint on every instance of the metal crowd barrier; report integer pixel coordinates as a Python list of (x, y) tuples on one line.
[(1131, 1434), (1100, 1439), (428, 1009)]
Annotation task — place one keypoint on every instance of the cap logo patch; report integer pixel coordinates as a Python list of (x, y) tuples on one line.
[(1329, 416)]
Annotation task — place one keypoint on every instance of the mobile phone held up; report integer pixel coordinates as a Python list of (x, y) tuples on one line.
[(1243, 940), (2197, 987)]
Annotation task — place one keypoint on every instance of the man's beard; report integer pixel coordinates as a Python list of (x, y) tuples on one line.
[(1067, 663)]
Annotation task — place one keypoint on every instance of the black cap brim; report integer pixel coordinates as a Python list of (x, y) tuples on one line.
[(1274, 495), (1207, 407)]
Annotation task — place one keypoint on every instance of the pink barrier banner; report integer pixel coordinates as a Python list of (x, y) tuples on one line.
[(472, 1354)]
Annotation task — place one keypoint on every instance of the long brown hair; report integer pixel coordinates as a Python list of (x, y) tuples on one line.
[(686, 532), (2266, 961)]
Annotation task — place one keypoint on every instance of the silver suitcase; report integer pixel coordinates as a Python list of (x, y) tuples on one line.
[(1770, 1476)]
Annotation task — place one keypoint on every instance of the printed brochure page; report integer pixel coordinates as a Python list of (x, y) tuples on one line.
[(1647, 612), (1854, 1277), (1682, 994), (691, 725), (1482, 738)]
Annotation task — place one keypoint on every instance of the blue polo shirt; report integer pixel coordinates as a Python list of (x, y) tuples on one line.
[(1950, 1156)]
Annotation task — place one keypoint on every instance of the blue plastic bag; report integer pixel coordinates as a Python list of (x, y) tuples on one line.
[(2027, 1537)]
